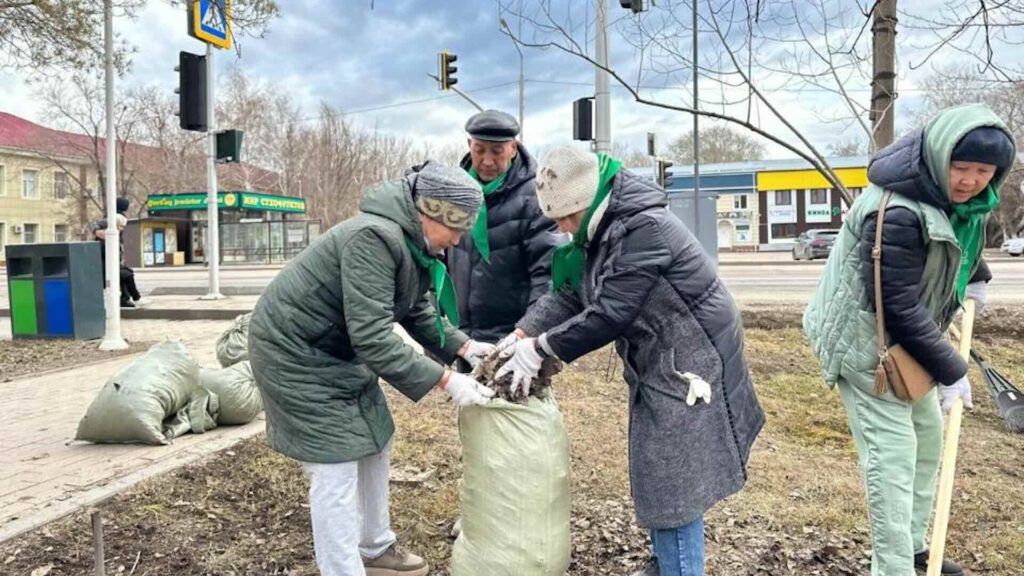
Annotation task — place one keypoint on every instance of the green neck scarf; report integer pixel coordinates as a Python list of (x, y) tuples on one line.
[(479, 231), (568, 259), (444, 289), (968, 220)]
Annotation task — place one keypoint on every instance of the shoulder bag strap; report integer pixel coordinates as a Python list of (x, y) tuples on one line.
[(876, 255)]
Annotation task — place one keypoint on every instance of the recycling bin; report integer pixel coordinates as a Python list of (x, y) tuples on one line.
[(56, 290)]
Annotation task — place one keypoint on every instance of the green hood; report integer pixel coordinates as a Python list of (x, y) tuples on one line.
[(393, 200), (942, 133), (917, 165)]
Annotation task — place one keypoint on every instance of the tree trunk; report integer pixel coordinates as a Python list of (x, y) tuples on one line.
[(883, 81)]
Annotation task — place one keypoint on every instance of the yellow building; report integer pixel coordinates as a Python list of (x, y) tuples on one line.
[(40, 201)]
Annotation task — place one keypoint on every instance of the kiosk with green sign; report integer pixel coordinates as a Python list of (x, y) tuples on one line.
[(255, 227)]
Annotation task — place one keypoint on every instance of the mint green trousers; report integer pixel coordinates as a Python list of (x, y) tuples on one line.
[(899, 445)]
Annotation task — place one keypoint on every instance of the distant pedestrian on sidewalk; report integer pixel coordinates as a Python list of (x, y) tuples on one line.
[(941, 183), (129, 291), (321, 338)]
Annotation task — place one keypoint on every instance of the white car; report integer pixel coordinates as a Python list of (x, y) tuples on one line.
[(1013, 246)]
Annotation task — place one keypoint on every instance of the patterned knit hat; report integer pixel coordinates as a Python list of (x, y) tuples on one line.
[(567, 181), (447, 195)]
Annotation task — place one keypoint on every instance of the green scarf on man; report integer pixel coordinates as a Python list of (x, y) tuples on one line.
[(479, 231), (444, 288), (568, 260), (968, 220)]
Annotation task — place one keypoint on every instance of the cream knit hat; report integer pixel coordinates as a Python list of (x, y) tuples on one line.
[(566, 181)]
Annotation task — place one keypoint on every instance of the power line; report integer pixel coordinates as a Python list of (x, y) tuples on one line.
[(403, 103)]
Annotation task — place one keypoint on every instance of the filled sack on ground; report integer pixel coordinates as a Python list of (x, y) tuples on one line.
[(236, 391), (233, 344), (152, 400), (514, 497)]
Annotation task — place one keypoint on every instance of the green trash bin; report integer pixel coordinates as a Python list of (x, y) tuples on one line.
[(56, 290)]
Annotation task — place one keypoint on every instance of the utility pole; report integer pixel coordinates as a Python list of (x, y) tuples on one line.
[(696, 130), (112, 339), (602, 118), (883, 80), (522, 80), (212, 229)]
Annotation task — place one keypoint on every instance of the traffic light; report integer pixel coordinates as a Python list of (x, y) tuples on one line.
[(583, 119), (446, 72), (635, 5), (191, 90), (662, 175)]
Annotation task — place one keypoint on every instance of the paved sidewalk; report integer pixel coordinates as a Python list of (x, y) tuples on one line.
[(43, 477)]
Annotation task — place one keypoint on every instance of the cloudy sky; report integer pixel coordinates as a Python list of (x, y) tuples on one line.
[(370, 59)]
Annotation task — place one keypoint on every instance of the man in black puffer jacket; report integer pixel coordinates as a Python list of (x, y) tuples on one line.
[(504, 264)]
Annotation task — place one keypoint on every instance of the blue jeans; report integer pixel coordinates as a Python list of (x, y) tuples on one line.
[(680, 551)]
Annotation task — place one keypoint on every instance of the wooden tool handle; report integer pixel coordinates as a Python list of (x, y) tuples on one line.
[(944, 498)]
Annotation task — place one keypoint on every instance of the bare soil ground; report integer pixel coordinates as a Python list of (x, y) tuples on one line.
[(26, 357), (244, 511)]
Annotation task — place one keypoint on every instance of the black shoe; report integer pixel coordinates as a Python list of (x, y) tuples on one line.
[(949, 568), (127, 304)]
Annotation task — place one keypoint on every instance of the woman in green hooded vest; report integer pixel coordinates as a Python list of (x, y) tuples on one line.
[(944, 181)]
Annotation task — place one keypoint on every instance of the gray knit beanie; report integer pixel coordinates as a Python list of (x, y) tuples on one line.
[(447, 195)]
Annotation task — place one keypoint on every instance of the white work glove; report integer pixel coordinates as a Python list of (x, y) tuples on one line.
[(524, 366), (464, 390), (699, 389), (507, 343), (959, 389), (474, 352), (978, 291)]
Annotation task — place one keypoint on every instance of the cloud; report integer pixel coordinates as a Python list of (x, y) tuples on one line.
[(372, 65)]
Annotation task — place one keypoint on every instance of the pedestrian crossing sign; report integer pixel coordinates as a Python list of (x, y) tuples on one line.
[(210, 21)]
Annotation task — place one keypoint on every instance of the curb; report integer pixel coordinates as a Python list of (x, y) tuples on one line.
[(170, 313)]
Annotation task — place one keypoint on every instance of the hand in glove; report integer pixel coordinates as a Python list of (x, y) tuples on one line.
[(507, 344), (465, 391), (524, 365), (959, 389), (977, 291), (474, 352), (699, 389)]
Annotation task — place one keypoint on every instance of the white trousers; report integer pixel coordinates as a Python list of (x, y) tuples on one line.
[(348, 503)]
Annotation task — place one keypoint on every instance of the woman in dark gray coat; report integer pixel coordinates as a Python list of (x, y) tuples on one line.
[(634, 274)]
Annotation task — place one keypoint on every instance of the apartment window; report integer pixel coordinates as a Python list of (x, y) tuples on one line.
[(784, 198), (819, 196), (60, 232), (739, 202), (855, 192), (30, 235), (61, 185), (3, 181), (28, 184), (780, 231)]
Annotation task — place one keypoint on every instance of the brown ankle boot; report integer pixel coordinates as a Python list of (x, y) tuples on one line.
[(396, 562)]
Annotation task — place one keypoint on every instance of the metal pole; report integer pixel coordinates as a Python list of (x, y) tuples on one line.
[(522, 81), (97, 540), (696, 134), (112, 339), (212, 233), (460, 93), (602, 118)]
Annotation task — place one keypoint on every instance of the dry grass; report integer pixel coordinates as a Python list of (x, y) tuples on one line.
[(801, 513)]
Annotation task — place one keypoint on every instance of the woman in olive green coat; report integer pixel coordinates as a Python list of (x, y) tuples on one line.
[(321, 338)]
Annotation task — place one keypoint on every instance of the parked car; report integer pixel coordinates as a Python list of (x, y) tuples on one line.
[(1013, 246), (814, 244)]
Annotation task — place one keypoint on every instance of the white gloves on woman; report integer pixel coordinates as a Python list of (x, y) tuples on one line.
[(959, 389), (465, 391)]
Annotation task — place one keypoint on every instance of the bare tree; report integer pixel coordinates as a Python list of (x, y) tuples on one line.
[(847, 148), (41, 35), (753, 52), (717, 144)]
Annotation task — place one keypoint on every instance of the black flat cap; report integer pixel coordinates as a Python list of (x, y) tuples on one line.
[(492, 125)]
